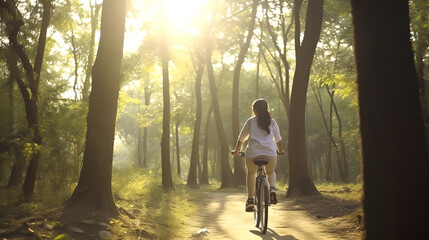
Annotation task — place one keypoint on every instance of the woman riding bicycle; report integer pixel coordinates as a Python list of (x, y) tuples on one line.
[(264, 138)]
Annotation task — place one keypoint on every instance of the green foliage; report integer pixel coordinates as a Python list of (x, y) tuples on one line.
[(140, 192), (346, 192), (12, 205)]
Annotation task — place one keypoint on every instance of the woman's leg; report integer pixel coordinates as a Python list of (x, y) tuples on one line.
[(250, 177), (270, 168)]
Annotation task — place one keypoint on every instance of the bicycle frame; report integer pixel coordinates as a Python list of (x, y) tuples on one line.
[(261, 199)]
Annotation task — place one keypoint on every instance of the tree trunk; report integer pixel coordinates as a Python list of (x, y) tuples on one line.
[(328, 161), (16, 175), (94, 26), (239, 174), (300, 182), (93, 192), (192, 176), (395, 161), (15, 178), (282, 83), (12, 62), (140, 147), (13, 26), (147, 94), (167, 178), (342, 155), (332, 142), (204, 178), (421, 46), (178, 148), (227, 178)]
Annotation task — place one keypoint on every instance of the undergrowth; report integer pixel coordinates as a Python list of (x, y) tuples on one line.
[(160, 214), (342, 191), (13, 206)]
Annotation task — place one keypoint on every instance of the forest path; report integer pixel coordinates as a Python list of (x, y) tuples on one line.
[(224, 217)]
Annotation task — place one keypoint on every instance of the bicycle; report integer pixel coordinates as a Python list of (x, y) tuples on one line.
[(262, 201)]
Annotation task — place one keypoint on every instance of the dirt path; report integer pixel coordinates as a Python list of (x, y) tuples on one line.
[(224, 218)]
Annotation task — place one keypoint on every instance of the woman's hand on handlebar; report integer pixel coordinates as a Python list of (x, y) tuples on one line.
[(235, 153), (280, 152)]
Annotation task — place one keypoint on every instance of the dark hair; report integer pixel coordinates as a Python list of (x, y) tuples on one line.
[(264, 116)]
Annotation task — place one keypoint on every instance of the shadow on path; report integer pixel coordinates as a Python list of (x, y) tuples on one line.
[(272, 235)]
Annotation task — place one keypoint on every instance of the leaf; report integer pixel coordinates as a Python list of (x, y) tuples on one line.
[(30, 94), (63, 236)]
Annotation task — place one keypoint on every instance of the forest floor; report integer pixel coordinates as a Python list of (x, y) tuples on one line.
[(215, 214)]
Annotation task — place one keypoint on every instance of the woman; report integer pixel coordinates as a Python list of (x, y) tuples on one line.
[(264, 141)]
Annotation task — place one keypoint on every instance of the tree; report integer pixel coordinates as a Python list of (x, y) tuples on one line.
[(147, 94), (227, 178), (93, 192), (239, 174), (95, 10), (281, 63), (419, 11), (395, 161), (15, 178), (30, 91), (300, 182), (204, 177), (167, 178), (192, 176)]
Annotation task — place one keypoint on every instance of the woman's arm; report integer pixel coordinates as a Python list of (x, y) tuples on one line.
[(237, 148), (280, 148)]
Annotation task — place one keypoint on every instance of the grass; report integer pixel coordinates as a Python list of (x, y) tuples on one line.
[(347, 192), (161, 215)]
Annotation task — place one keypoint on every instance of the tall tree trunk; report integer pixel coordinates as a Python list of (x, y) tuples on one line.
[(76, 65), (167, 178), (204, 178), (140, 147), (195, 154), (147, 94), (13, 26), (342, 158), (177, 148), (258, 63), (300, 182), (421, 47), (15, 178), (332, 142), (95, 9), (281, 82), (239, 175), (12, 62), (16, 175), (395, 161), (328, 161), (93, 192), (227, 178)]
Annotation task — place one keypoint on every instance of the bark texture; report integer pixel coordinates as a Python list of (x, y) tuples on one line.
[(300, 182), (395, 161), (93, 192)]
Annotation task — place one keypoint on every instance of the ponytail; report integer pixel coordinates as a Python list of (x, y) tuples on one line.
[(264, 116)]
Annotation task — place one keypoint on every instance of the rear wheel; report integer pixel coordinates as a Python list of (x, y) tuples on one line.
[(263, 212), (257, 212)]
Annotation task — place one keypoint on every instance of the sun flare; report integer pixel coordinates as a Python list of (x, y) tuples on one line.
[(183, 19), (183, 15)]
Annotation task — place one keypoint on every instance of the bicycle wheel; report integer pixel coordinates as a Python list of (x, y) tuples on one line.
[(264, 203), (256, 213)]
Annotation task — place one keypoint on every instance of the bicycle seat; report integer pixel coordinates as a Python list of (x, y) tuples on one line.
[(260, 161)]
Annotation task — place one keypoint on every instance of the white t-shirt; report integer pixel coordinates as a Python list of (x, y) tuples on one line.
[(260, 143)]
